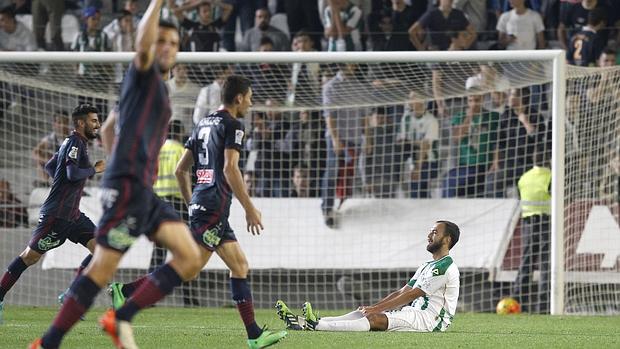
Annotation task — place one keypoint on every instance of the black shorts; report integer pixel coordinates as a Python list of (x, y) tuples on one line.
[(210, 231), (130, 210), (52, 232)]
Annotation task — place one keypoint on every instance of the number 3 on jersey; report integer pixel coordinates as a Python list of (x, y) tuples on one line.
[(203, 134)]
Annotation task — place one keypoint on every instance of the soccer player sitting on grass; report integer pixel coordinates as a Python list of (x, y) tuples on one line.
[(427, 302), (60, 217)]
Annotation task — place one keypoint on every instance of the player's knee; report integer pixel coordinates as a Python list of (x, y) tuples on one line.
[(378, 322), (240, 270), (30, 256)]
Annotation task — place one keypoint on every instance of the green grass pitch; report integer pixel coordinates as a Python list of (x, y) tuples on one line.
[(222, 328)]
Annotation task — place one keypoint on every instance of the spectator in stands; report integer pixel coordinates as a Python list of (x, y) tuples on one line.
[(521, 130), (182, 92), (272, 165), (586, 45), (521, 28), (607, 58), (535, 193), (343, 22), (490, 79), (48, 145), (44, 12), (269, 80), (382, 168), (21, 7), (343, 135), (245, 10), (419, 137), (130, 8), (475, 11), (203, 36), (305, 144), (14, 35), (381, 30), (304, 85), (122, 37), (253, 37), (93, 39), (301, 183), (576, 16), (439, 23), (475, 133), (303, 15), (12, 211), (403, 17), (209, 98)]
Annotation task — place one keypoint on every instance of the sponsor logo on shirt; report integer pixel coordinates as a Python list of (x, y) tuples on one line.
[(73, 153), (204, 176), (238, 136)]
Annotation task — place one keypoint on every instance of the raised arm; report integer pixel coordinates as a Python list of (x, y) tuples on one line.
[(236, 183), (146, 37), (107, 131)]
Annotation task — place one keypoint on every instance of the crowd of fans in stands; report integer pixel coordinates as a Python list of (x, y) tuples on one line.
[(335, 153)]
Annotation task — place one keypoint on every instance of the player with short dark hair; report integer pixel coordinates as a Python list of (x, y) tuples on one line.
[(213, 150), (60, 217), (427, 303), (587, 44), (130, 208)]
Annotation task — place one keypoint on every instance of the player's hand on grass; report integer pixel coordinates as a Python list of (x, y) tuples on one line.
[(253, 218), (100, 166)]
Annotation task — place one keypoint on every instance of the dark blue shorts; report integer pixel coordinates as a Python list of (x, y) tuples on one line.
[(52, 232), (209, 230), (130, 210)]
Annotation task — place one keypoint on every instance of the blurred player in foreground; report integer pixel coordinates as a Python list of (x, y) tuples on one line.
[(130, 206)]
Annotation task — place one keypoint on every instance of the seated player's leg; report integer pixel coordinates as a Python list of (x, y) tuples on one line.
[(314, 323), (234, 258), (406, 319)]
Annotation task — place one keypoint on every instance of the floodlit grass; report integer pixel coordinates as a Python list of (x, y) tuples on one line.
[(222, 328)]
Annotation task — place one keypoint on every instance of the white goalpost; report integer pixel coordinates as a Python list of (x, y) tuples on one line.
[(387, 187)]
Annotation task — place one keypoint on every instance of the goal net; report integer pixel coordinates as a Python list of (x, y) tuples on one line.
[(351, 158)]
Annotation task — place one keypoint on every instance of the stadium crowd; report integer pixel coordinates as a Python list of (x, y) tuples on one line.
[(431, 146)]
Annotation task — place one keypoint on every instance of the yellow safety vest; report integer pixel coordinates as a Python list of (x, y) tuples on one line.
[(534, 191), (169, 156)]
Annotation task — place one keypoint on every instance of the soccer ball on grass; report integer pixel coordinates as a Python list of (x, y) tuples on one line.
[(508, 306)]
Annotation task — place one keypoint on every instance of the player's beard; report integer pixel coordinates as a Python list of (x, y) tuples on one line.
[(433, 246), (90, 134)]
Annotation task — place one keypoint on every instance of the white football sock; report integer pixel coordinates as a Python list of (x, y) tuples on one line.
[(354, 315), (359, 325)]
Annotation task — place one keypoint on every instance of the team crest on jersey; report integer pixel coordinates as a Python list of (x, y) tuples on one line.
[(73, 152), (239, 136), (204, 176)]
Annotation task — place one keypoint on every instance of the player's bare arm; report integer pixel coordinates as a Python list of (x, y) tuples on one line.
[(396, 300), (235, 180), (107, 132), (182, 173), (147, 36)]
